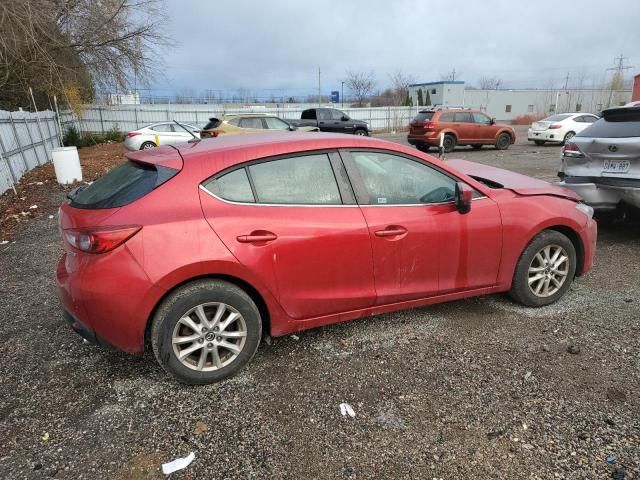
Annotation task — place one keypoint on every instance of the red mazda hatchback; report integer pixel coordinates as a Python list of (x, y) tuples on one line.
[(202, 248)]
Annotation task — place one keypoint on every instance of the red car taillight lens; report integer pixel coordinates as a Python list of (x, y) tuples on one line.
[(132, 134), (572, 150), (428, 125), (554, 126), (100, 239)]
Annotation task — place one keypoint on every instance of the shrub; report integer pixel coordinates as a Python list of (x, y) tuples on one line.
[(71, 137), (114, 135), (526, 119)]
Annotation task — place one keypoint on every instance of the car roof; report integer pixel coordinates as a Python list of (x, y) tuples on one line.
[(235, 149)]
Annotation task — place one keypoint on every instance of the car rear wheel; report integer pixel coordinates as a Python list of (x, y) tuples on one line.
[(545, 270), (147, 145), (539, 142), (206, 331), (503, 141), (449, 143), (569, 136), (361, 132), (476, 146)]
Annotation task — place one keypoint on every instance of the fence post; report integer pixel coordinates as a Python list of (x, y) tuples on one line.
[(33, 145), (14, 178), (15, 134), (101, 120), (167, 112), (135, 112)]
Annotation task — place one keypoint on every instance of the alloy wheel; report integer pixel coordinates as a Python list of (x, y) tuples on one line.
[(548, 270), (209, 336)]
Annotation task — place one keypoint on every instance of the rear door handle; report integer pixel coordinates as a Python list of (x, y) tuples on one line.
[(257, 237), (391, 231)]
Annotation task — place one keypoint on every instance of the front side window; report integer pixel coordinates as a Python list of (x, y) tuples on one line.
[(481, 118), (394, 180), (307, 180), (274, 123), (324, 114), (337, 114)]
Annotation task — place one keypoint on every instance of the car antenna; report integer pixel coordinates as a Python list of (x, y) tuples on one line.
[(186, 129)]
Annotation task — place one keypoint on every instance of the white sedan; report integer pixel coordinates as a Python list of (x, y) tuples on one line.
[(559, 128), (163, 133)]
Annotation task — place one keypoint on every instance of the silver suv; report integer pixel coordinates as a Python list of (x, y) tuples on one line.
[(602, 163)]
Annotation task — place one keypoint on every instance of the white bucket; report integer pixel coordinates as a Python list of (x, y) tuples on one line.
[(66, 164)]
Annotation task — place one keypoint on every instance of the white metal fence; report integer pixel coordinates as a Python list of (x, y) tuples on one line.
[(124, 118), (26, 141)]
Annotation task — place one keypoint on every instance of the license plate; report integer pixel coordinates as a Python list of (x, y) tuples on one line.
[(616, 166)]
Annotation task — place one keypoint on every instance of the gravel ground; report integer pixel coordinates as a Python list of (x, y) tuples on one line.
[(480, 388)]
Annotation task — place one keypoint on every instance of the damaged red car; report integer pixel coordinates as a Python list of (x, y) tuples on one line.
[(199, 250)]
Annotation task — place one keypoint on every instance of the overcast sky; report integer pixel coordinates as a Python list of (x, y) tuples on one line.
[(276, 46)]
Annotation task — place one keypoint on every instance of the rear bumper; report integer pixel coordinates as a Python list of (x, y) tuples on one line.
[(545, 135), (423, 139), (603, 197), (85, 331)]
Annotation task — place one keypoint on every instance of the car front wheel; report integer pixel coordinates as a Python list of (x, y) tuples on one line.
[(360, 132), (545, 270), (503, 141), (206, 331)]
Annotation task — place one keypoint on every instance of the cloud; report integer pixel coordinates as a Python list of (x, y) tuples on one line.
[(277, 46)]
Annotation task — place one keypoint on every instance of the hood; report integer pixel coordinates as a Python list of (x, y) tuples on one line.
[(520, 184)]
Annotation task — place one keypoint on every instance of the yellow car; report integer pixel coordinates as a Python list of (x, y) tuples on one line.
[(247, 123)]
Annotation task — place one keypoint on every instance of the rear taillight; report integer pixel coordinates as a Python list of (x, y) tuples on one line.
[(554, 126), (99, 239), (571, 150), (428, 125), (132, 134)]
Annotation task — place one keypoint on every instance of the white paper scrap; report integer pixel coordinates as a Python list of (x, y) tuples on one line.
[(177, 464), (346, 409)]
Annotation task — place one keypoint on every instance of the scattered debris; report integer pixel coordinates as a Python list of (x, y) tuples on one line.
[(527, 376), (545, 348), (177, 464), (618, 474), (45, 436), (33, 207), (4, 242), (628, 300), (495, 434), (295, 337), (201, 427), (50, 217), (268, 340), (573, 349), (609, 422), (616, 395), (346, 409), (390, 419), (611, 458)]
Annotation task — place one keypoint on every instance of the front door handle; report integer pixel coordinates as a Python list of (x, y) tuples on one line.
[(259, 236), (391, 231)]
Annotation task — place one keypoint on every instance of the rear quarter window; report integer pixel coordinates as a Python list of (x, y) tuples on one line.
[(121, 186), (423, 116)]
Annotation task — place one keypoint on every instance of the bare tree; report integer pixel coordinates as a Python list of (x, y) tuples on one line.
[(54, 45), (400, 87), (490, 83), (360, 84)]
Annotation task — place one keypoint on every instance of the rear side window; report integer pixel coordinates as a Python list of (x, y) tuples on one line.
[(251, 123), (307, 180), (423, 116), (165, 127), (606, 129), (464, 117), (233, 186), (308, 115), (121, 186), (556, 118)]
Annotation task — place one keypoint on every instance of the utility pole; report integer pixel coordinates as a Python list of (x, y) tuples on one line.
[(618, 74), (319, 90), (342, 94), (566, 80)]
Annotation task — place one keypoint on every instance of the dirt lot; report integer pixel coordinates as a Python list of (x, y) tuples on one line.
[(472, 389)]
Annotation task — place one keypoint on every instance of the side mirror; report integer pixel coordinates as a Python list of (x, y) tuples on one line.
[(464, 195), (345, 118), (492, 121), (292, 127)]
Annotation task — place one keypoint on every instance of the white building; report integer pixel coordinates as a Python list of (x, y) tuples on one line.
[(508, 104)]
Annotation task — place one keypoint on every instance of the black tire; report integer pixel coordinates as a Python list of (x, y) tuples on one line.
[(476, 146), (539, 142), (178, 304), (503, 141), (361, 132), (423, 148), (520, 289), (568, 137), (147, 145), (449, 143)]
